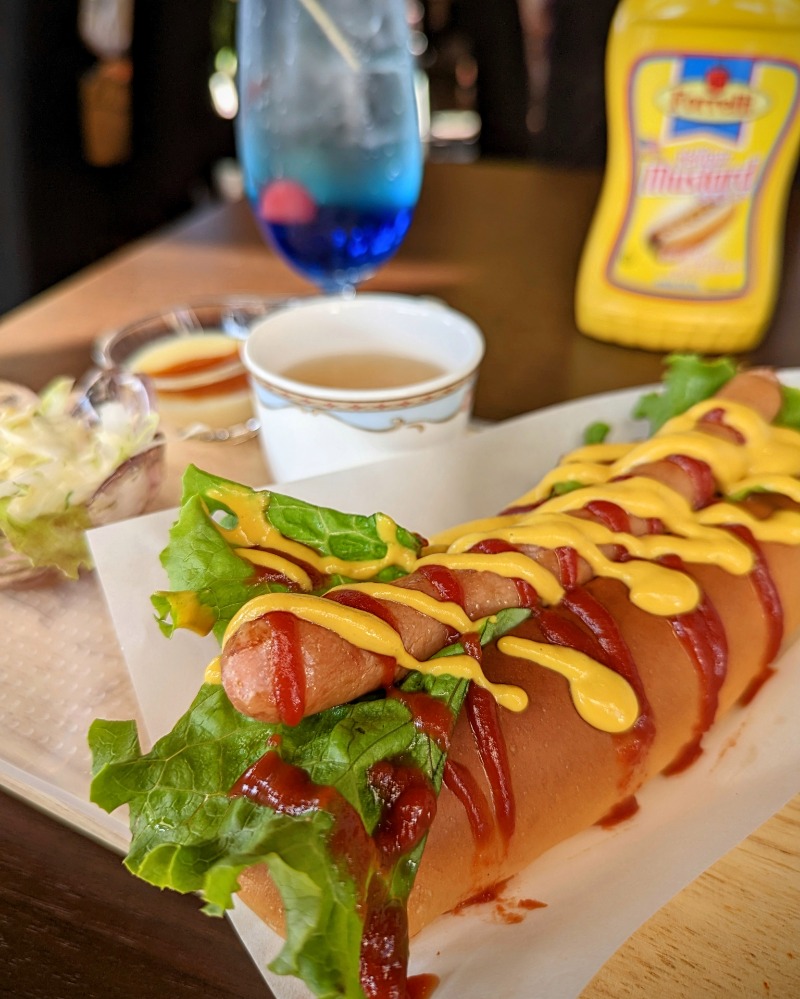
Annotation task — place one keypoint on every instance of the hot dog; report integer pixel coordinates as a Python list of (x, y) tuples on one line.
[(691, 229), (335, 671), (653, 586)]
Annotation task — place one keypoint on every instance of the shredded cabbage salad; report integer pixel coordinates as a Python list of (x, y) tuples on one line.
[(52, 461)]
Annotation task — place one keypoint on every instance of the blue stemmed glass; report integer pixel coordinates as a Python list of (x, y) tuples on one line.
[(327, 132)]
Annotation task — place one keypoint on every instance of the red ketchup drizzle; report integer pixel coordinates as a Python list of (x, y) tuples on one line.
[(770, 600), (359, 600), (633, 745), (289, 678), (445, 583), (289, 790), (528, 597), (702, 636), (567, 559), (717, 417), (611, 515), (364, 602), (700, 476), (458, 779), (384, 946), (409, 806), (430, 715), (484, 723)]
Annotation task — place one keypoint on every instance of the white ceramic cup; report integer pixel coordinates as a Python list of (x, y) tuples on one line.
[(308, 428)]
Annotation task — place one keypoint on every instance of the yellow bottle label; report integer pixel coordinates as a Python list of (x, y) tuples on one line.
[(705, 131)]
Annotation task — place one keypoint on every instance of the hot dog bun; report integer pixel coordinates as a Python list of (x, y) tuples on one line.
[(568, 775)]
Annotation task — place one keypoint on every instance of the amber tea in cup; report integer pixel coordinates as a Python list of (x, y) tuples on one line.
[(340, 382)]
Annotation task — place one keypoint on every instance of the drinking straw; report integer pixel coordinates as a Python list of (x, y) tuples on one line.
[(331, 32)]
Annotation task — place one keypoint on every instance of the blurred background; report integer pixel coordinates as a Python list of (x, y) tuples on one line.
[(116, 116)]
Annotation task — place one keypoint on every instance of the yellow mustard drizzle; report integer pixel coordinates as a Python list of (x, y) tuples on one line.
[(654, 588), (188, 612), (601, 697), (444, 611), (509, 565), (768, 459), (213, 672), (254, 529), (285, 566)]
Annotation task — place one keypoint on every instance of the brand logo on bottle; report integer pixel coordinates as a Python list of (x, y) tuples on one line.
[(712, 95)]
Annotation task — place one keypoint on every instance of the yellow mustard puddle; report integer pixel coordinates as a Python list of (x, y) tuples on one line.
[(769, 459)]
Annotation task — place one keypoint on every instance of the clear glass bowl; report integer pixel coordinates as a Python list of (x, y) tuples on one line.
[(128, 491), (190, 355)]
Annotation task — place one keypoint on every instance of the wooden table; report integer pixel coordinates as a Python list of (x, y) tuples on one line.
[(501, 243)]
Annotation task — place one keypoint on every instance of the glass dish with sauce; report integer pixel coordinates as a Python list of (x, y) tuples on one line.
[(190, 354)]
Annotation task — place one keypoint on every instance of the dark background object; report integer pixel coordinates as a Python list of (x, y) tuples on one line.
[(58, 213), (564, 122)]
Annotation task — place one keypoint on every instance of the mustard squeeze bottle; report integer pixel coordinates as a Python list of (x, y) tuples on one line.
[(685, 248)]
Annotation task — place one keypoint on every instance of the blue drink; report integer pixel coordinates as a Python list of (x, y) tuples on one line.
[(343, 245), (327, 133)]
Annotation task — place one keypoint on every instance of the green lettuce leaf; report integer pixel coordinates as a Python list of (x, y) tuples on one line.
[(189, 835), (596, 432), (56, 539), (789, 415), (210, 582), (689, 379)]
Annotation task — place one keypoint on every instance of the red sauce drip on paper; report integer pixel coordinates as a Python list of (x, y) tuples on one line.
[(421, 986), (445, 583), (490, 894), (289, 678), (770, 600), (633, 745), (703, 638), (531, 903), (484, 723), (508, 910), (430, 715), (700, 476), (458, 779), (620, 812)]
